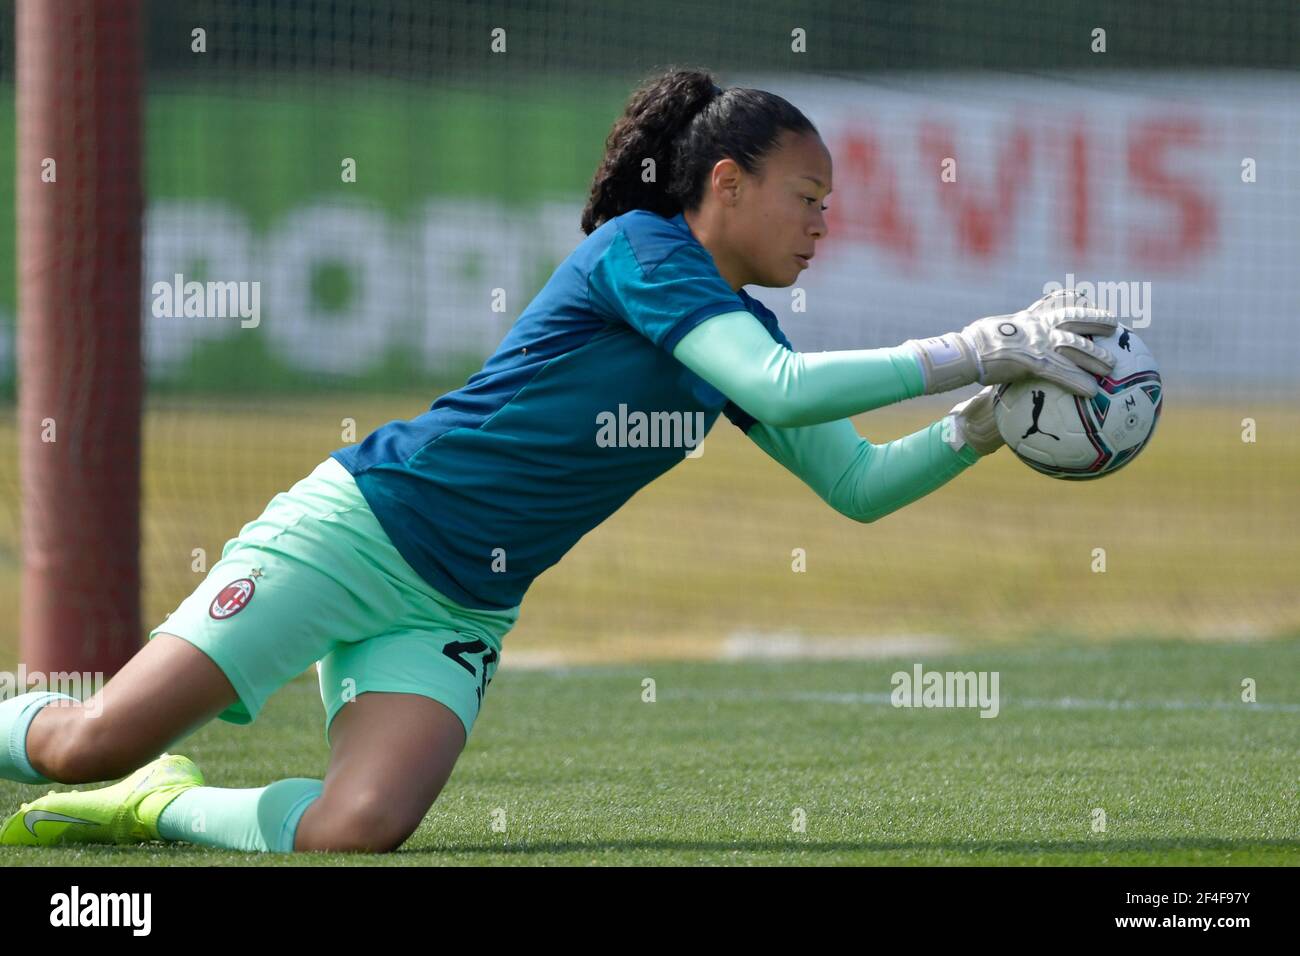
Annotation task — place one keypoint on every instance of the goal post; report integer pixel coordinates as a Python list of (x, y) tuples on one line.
[(79, 203)]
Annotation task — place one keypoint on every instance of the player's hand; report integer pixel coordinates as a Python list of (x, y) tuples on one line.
[(975, 424), (1045, 341)]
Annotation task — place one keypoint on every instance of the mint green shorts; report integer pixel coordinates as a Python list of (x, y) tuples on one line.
[(315, 579)]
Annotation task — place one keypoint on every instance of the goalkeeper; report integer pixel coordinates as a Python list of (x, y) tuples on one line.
[(398, 566)]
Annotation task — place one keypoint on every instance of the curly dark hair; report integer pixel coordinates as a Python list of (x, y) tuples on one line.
[(684, 122)]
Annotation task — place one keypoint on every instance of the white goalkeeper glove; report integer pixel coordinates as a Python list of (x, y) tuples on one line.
[(1043, 341), (973, 423)]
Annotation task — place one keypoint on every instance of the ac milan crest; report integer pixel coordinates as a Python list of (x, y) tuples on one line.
[(234, 597)]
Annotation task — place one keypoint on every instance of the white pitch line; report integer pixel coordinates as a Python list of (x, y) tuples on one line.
[(1028, 703), (778, 645)]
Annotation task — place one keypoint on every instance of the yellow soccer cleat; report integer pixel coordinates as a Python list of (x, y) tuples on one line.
[(125, 812)]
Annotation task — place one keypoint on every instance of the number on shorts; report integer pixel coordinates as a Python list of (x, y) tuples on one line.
[(454, 650)]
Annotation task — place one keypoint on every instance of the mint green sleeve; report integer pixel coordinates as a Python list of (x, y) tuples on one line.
[(859, 479), (735, 354)]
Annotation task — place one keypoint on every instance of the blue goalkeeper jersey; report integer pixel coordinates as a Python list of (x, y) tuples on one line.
[(581, 405)]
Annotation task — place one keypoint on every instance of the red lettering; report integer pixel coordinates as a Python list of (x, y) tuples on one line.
[(869, 208), (982, 224), (1195, 221), (1076, 220)]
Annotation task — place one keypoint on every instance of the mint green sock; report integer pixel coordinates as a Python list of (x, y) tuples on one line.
[(16, 715), (261, 819)]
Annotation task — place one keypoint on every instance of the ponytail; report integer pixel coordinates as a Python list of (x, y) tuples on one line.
[(685, 123)]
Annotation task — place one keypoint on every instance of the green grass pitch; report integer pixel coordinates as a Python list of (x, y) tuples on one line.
[(579, 769)]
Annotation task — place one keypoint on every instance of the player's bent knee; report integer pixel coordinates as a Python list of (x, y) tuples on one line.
[(328, 838), (353, 843), (365, 822), (377, 820)]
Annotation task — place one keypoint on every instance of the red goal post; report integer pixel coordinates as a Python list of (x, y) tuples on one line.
[(79, 203)]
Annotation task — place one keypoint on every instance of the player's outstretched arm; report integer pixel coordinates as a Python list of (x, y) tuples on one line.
[(865, 481), (737, 355)]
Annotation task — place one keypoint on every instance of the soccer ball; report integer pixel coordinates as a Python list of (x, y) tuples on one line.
[(1066, 436)]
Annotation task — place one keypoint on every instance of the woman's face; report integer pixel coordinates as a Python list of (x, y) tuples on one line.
[(765, 227)]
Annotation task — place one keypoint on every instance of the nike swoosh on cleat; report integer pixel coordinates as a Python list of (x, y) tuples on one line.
[(34, 817)]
